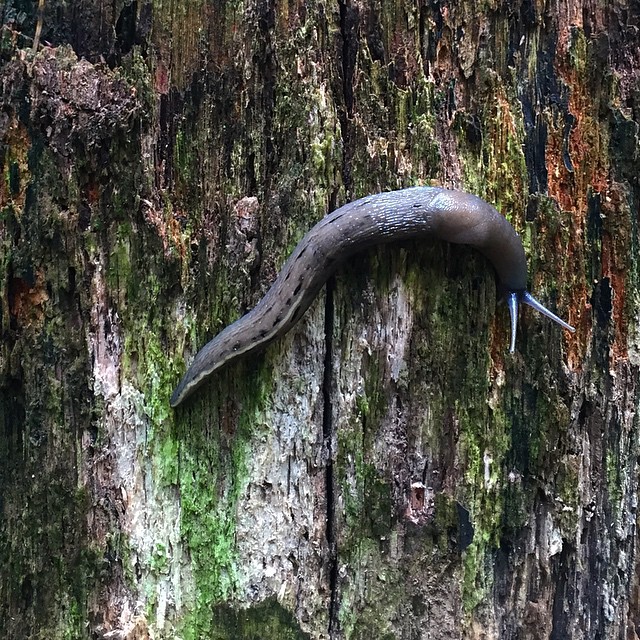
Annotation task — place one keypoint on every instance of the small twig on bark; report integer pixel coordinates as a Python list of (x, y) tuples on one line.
[(36, 37)]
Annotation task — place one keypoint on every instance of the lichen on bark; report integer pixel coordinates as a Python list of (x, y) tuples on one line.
[(387, 469)]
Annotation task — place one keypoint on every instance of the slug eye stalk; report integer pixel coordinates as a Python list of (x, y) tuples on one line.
[(513, 300)]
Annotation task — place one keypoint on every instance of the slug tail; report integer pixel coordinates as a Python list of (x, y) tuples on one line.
[(527, 298)]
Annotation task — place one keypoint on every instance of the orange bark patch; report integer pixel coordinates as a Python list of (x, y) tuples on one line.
[(576, 157), (614, 266), (167, 228), (26, 301), (13, 186)]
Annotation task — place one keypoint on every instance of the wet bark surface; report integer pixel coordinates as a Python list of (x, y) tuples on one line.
[(387, 470)]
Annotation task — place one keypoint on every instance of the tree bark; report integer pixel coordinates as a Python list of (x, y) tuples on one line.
[(388, 469)]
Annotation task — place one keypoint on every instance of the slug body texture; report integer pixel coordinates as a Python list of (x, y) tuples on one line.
[(416, 212)]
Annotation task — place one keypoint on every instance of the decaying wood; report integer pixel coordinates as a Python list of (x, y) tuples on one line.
[(388, 470)]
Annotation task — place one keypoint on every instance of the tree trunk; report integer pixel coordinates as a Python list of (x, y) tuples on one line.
[(387, 469)]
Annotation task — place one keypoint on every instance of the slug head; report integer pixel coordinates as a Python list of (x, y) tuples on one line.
[(514, 298)]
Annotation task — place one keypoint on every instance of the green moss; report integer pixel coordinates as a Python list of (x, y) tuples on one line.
[(614, 481), (578, 56), (567, 489), (213, 477), (209, 472), (446, 523), (365, 490), (350, 463), (208, 528), (265, 621), (516, 511), (491, 151), (323, 154), (374, 401), (49, 568), (377, 503), (134, 70), (166, 460), (485, 443), (422, 128), (159, 558), (118, 274), (476, 582), (368, 508), (72, 622), (158, 378), (369, 603)]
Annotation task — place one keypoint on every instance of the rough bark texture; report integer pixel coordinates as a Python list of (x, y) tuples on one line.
[(388, 470)]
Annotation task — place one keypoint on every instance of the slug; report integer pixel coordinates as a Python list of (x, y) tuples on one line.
[(415, 212)]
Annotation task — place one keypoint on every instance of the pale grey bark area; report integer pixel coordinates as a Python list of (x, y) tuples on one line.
[(387, 470)]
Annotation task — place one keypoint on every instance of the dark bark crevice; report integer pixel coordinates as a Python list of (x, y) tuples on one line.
[(327, 432)]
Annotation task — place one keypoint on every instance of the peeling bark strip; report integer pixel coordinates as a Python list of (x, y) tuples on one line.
[(384, 472)]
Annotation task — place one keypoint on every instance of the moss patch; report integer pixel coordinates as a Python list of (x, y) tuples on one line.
[(265, 621)]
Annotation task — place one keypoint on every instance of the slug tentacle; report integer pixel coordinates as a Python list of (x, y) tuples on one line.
[(416, 212), (513, 300), (527, 298)]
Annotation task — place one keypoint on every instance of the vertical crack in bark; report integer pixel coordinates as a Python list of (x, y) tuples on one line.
[(327, 432), (349, 18), (349, 30)]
